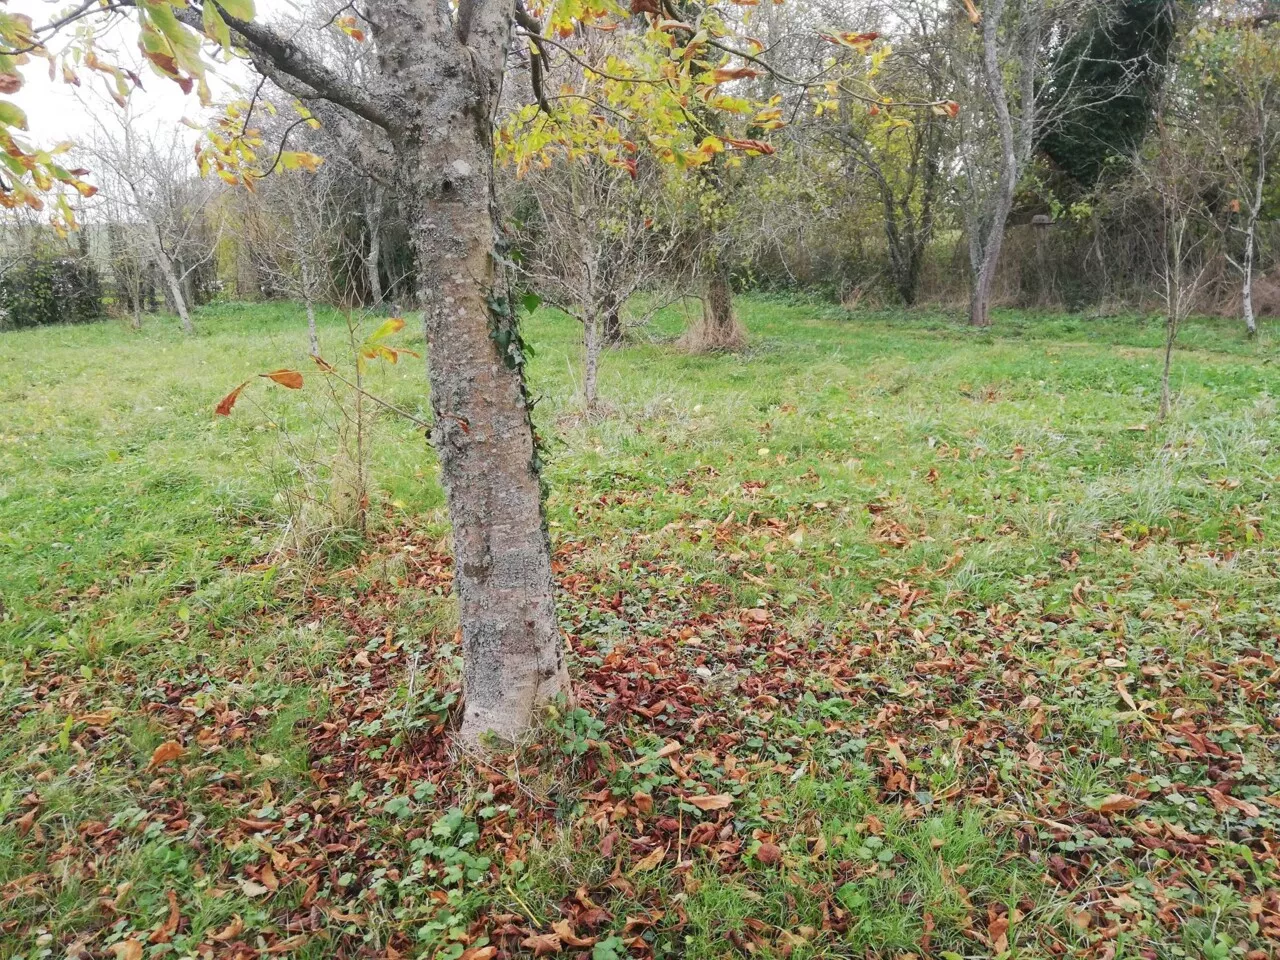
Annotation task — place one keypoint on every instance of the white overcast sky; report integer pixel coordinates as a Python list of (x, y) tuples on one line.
[(55, 114)]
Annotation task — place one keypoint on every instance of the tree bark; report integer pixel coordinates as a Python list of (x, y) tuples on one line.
[(1250, 320), (991, 239), (171, 281), (373, 259), (313, 336), (591, 332), (483, 432), (719, 328)]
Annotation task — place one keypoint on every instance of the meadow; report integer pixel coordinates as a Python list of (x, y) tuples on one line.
[(890, 638)]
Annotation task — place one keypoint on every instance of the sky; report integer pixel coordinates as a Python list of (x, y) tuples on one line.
[(54, 111)]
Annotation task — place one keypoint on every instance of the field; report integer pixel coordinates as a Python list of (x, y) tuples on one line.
[(890, 638)]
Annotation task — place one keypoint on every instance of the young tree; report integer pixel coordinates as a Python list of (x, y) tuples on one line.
[(593, 238), (1237, 101)]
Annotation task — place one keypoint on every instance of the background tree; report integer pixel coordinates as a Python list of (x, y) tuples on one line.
[(591, 236)]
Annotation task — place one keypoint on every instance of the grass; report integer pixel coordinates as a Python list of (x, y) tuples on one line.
[(978, 656)]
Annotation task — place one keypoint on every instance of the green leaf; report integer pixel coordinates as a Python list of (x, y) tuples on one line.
[(531, 301), (389, 326), (11, 115), (240, 9)]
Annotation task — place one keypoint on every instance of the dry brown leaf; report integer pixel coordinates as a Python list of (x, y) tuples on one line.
[(542, 943), (130, 949), (652, 860), (714, 801), (168, 751), (230, 931), (769, 853), (564, 930), (164, 933), (1118, 802)]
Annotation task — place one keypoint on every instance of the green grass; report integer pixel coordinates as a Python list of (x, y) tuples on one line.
[(918, 598)]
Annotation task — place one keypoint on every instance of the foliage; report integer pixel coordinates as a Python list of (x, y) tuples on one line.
[(40, 289), (1109, 75)]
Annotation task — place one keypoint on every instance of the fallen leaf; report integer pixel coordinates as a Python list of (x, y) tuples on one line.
[(130, 949), (650, 861), (164, 933), (564, 930), (542, 943), (166, 752), (715, 801), (1117, 803), (768, 853), (230, 931)]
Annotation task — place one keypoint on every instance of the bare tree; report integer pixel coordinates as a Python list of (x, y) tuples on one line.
[(596, 236), (1236, 102), (156, 180)]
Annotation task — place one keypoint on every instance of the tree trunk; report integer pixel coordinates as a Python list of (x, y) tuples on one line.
[(591, 330), (313, 337), (1250, 321), (1170, 336), (991, 240), (373, 260), (719, 328), (483, 432), (172, 282)]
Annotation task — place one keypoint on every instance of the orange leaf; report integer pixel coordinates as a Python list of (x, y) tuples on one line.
[(725, 74), (167, 751), (286, 378), (1118, 802), (164, 933), (130, 949), (224, 406), (230, 931), (716, 801), (751, 146)]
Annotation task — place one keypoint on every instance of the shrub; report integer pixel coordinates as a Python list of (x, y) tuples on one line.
[(39, 290)]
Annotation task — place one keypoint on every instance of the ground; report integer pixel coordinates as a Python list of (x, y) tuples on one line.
[(890, 638)]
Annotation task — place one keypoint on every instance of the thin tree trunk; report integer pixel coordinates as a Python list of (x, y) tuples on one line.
[(1170, 336), (172, 282), (313, 336), (591, 330), (373, 259), (992, 239), (1250, 321)]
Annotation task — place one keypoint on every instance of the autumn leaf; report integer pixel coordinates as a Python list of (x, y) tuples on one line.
[(654, 858), (286, 378), (168, 751), (542, 943), (860, 42), (1117, 803), (386, 328), (725, 74), (230, 931), (768, 854), (224, 406), (164, 933), (564, 930), (716, 801), (130, 949)]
